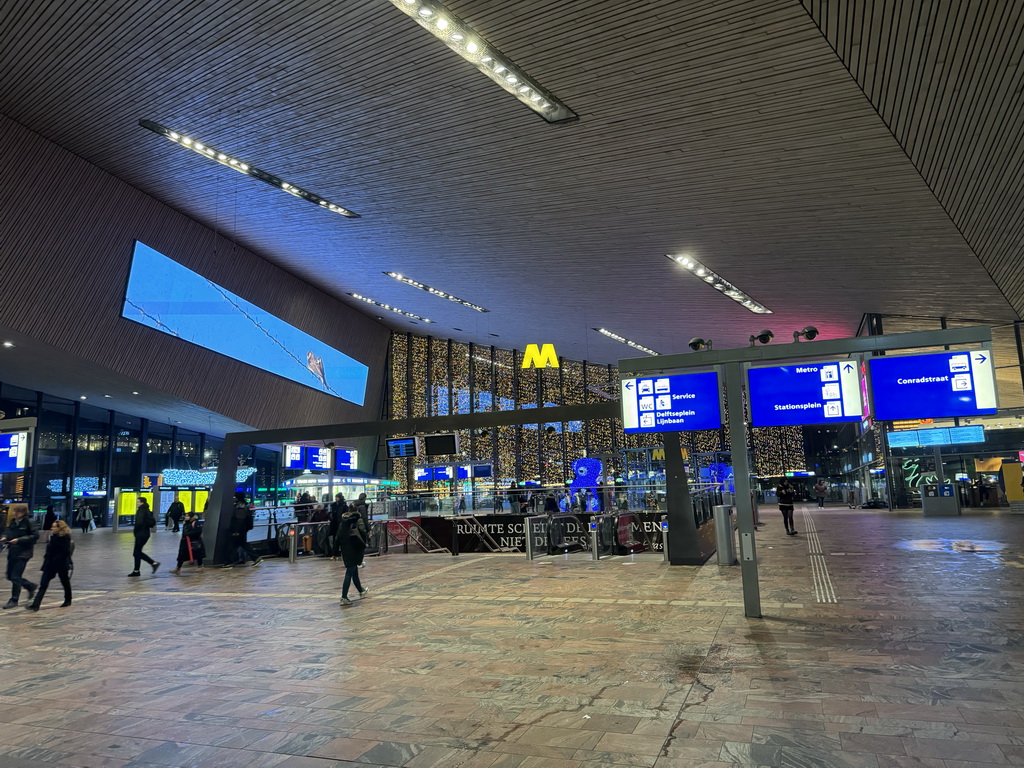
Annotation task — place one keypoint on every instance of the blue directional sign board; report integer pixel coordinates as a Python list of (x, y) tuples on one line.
[(938, 385), (804, 393), (676, 403), (312, 457), (13, 451)]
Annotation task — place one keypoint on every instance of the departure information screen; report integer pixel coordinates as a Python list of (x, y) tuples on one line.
[(401, 448)]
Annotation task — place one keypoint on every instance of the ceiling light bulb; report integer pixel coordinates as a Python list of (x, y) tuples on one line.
[(199, 146), (472, 47), (442, 22), (456, 36), (221, 156), (82, 397), (174, 135), (244, 167), (186, 140), (134, 393), (425, 12), (8, 344)]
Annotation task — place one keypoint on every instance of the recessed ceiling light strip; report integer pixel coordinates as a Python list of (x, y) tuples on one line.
[(435, 292), (249, 170), (461, 38), (389, 308), (626, 341), (720, 284)]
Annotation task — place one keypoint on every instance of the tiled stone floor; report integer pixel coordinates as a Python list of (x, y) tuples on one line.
[(494, 662)]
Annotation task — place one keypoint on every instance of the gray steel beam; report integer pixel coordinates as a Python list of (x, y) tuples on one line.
[(975, 334)]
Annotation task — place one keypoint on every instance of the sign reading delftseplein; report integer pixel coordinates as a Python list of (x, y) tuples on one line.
[(676, 403), (938, 385), (804, 393)]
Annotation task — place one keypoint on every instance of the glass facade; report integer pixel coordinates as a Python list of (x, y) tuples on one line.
[(430, 376), (84, 452)]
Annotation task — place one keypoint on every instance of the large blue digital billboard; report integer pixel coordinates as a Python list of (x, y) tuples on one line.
[(938, 385), (164, 295), (804, 393), (675, 403)]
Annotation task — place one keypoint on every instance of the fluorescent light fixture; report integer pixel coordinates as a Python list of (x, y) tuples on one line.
[(719, 283), (8, 345), (389, 308), (434, 291), (243, 167), (626, 341), (461, 38)]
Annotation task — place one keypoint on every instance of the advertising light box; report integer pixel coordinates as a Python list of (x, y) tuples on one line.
[(804, 393), (676, 403), (937, 385), (13, 451)]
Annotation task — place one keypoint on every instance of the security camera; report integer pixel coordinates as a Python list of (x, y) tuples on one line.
[(763, 337), (809, 332), (697, 344)]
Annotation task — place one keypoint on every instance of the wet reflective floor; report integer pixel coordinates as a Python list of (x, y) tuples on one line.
[(888, 639)]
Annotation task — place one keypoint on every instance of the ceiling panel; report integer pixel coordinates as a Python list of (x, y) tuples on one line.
[(946, 77), (730, 131)]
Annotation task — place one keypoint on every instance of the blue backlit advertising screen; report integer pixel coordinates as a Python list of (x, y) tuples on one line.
[(13, 451), (676, 403), (171, 298), (939, 385), (804, 393)]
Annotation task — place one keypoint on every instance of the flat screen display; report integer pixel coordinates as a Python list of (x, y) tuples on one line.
[(316, 458), (804, 393), (938, 385), (911, 438), (938, 436), (676, 403), (972, 434), (906, 438), (440, 445), (483, 470), (401, 447), (172, 299), (346, 459), (13, 451)]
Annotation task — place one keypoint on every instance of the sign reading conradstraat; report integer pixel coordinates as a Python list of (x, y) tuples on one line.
[(804, 393), (940, 385), (676, 403)]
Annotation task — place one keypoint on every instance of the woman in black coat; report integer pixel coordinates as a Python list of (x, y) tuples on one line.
[(56, 562), (351, 542), (190, 549)]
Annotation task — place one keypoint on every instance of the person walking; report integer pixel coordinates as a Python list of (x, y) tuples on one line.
[(83, 517), (241, 523), (786, 495), (56, 562), (338, 508), (352, 536), (175, 512), (145, 521), (20, 537), (821, 490), (190, 548)]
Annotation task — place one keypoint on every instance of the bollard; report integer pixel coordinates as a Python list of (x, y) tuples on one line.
[(664, 536), (594, 555), (723, 535), (455, 536), (293, 545)]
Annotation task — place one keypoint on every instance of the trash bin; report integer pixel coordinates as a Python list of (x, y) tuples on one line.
[(723, 535)]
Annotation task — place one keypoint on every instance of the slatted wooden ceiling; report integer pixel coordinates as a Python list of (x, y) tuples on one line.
[(731, 131), (946, 77)]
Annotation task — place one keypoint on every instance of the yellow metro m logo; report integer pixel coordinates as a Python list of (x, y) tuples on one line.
[(543, 357)]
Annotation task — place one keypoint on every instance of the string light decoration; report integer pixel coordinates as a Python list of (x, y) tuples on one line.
[(775, 449), (389, 308)]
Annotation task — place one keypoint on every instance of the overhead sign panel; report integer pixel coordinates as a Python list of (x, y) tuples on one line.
[(912, 438), (677, 403), (804, 393), (13, 451), (938, 385)]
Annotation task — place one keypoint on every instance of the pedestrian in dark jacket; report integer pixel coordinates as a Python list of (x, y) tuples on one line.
[(56, 562), (145, 522), (175, 512), (338, 508), (20, 538), (190, 549), (238, 528), (352, 536)]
